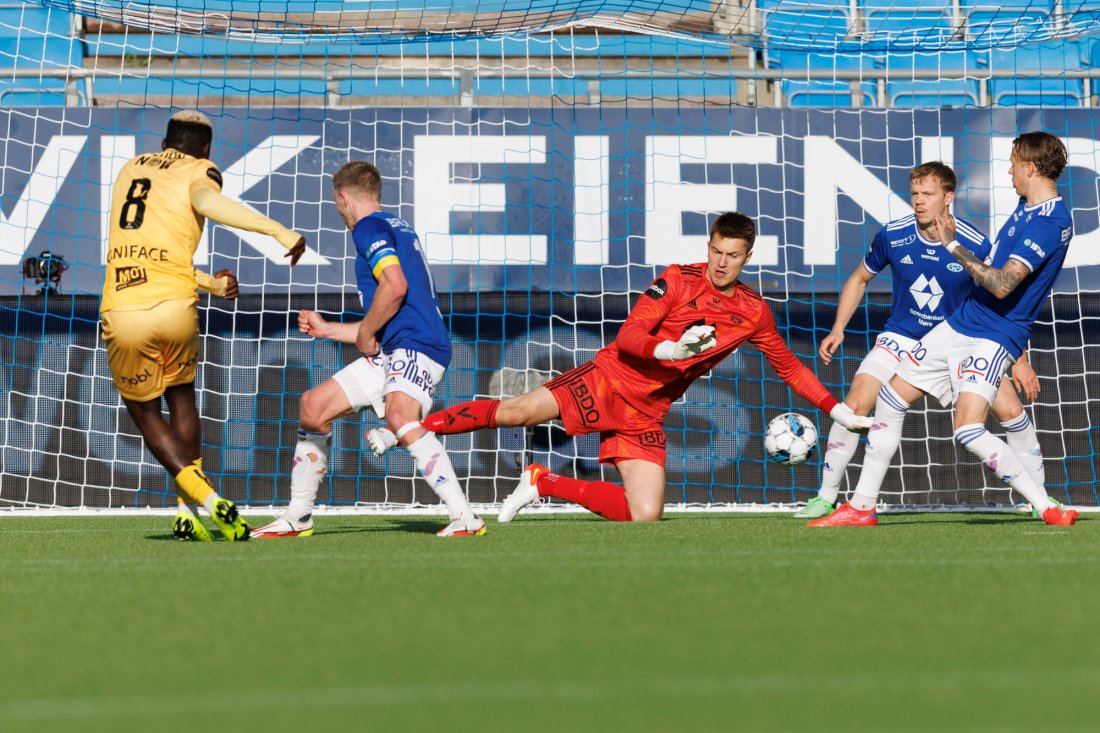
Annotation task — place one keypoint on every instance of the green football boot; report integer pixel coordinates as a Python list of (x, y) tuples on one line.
[(187, 526), (230, 521), (815, 509), (1035, 512)]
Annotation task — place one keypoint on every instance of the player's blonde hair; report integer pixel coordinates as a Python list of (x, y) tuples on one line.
[(361, 176), (191, 117), (938, 170), (1044, 150), (189, 131)]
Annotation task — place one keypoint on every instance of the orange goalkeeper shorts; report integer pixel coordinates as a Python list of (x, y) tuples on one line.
[(589, 402)]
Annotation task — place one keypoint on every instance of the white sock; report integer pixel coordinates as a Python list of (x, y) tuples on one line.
[(208, 503), (1024, 441), (305, 477), (882, 444), (435, 466), (839, 450), (192, 508), (1000, 459)]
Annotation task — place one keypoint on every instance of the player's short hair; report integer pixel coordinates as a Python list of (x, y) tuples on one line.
[(1046, 151), (359, 175), (734, 225), (189, 131), (938, 169)]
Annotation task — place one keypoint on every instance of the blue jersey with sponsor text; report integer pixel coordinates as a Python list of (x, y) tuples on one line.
[(928, 282), (383, 240), (1037, 236)]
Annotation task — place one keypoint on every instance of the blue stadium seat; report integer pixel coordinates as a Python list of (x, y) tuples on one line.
[(803, 92), (993, 21), (927, 21), (1052, 89), (822, 22), (938, 92), (19, 18)]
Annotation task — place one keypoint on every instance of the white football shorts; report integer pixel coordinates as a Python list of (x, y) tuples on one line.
[(886, 355), (946, 362), (367, 380)]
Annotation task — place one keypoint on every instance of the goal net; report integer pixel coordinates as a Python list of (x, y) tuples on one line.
[(553, 156)]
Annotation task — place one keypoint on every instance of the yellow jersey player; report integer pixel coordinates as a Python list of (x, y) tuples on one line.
[(159, 205)]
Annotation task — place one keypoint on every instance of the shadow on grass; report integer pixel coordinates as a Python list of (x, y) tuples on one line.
[(976, 518)]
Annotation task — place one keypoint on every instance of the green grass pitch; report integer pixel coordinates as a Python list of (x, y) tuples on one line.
[(935, 622)]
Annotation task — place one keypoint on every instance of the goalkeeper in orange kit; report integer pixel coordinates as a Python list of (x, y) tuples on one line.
[(688, 320)]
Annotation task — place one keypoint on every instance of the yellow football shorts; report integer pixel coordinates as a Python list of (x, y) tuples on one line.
[(152, 349)]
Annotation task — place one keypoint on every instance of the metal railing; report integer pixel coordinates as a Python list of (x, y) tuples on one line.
[(465, 75)]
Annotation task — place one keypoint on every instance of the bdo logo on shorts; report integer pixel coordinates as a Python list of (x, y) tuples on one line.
[(973, 368)]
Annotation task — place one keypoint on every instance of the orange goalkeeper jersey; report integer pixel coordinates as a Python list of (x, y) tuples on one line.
[(683, 297)]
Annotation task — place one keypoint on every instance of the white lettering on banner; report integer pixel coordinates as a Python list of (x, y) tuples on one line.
[(591, 199), (36, 198), (436, 195), (830, 170), (667, 197), (237, 178), (257, 165)]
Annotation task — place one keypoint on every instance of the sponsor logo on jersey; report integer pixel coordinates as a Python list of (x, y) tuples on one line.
[(214, 175), (376, 245), (954, 267), (1034, 248), (927, 292), (902, 242), (693, 304), (1012, 231), (1066, 233), (736, 319), (653, 437), (906, 260), (128, 277), (658, 289)]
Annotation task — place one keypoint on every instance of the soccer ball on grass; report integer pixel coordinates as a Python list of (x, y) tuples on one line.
[(791, 438)]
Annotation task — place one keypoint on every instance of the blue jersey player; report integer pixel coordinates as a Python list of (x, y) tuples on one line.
[(963, 359), (405, 347), (928, 284)]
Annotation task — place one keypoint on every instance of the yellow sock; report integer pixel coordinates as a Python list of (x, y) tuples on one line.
[(193, 484)]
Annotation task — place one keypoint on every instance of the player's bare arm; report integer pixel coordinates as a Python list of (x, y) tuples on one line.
[(1000, 282), (850, 297), (312, 323), (387, 300)]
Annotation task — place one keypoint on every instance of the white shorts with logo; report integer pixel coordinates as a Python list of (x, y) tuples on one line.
[(886, 356), (367, 380), (946, 362)]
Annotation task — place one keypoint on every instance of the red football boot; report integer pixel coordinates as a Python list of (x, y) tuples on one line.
[(1060, 517), (847, 515)]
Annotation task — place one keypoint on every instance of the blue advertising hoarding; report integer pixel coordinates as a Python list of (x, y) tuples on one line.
[(570, 200)]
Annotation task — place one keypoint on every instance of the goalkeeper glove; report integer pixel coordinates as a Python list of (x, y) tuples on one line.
[(695, 340), (850, 420)]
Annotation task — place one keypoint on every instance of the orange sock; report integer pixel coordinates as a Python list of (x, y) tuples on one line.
[(601, 497)]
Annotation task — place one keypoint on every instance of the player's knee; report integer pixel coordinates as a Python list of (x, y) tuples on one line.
[(646, 512), (311, 412)]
